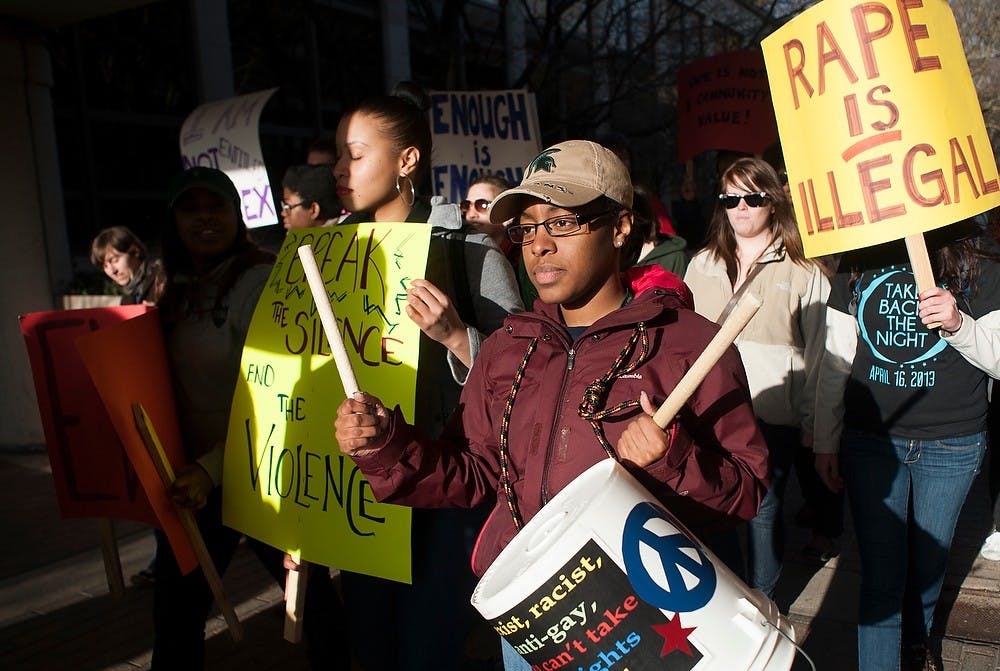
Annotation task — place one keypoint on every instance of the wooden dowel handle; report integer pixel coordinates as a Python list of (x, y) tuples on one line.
[(716, 347)]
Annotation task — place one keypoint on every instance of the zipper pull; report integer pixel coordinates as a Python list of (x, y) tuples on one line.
[(572, 358)]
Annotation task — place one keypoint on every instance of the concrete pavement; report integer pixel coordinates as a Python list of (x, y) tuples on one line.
[(56, 613)]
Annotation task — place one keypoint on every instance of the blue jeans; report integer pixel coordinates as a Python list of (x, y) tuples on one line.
[(766, 531), (905, 497), (511, 660)]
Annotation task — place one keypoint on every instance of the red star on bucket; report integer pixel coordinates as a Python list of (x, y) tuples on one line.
[(674, 636)]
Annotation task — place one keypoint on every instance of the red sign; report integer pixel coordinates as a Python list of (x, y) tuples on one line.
[(93, 476), (724, 103)]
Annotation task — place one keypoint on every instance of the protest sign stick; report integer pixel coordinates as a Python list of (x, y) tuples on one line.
[(297, 579), (296, 583), (166, 473), (329, 321), (716, 347), (920, 261), (112, 560)]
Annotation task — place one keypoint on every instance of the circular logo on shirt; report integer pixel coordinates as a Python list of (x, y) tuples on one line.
[(889, 321)]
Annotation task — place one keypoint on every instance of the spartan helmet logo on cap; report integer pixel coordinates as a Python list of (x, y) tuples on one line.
[(543, 162)]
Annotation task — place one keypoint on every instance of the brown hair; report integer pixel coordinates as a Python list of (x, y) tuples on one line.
[(754, 174), (403, 118), (493, 179), (118, 238)]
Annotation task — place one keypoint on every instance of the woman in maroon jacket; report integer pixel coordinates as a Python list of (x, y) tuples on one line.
[(573, 382)]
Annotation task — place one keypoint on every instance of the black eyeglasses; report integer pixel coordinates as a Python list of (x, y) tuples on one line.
[(481, 205), (731, 200), (557, 227), (288, 207)]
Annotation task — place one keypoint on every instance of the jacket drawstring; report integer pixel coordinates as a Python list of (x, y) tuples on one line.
[(515, 386), (594, 396)]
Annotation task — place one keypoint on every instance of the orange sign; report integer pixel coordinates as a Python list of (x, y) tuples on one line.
[(128, 364)]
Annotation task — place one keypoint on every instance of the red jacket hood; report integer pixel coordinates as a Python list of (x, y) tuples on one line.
[(643, 278), (648, 284)]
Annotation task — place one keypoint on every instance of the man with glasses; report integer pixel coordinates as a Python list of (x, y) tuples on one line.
[(576, 380)]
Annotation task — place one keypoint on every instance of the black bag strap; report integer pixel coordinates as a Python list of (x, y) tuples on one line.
[(460, 279), (738, 294)]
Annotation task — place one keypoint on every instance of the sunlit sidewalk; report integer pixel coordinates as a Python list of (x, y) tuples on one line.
[(56, 613)]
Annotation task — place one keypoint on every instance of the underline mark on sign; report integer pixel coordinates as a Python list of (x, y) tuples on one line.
[(867, 143)]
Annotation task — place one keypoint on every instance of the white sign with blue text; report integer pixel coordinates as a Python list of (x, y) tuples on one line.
[(481, 132)]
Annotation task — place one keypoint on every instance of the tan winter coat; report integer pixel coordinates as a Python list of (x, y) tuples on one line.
[(783, 344)]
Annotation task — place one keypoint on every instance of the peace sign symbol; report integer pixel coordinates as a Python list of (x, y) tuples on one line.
[(675, 596)]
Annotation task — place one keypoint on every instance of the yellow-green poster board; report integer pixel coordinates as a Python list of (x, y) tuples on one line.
[(881, 128), (286, 482)]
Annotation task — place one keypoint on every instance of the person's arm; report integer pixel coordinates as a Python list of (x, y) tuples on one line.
[(432, 310), (834, 372), (495, 295), (461, 469), (977, 340), (812, 323), (716, 457)]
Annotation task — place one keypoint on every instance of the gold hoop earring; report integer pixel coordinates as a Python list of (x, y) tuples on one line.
[(399, 190)]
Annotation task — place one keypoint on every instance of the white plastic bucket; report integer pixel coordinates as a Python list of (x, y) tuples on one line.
[(603, 578)]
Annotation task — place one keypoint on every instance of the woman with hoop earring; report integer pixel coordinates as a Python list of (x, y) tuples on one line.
[(382, 168)]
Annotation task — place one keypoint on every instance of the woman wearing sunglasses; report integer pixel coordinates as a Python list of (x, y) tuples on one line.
[(475, 212), (476, 207), (754, 246)]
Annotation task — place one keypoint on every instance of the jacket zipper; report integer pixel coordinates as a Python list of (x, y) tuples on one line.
[(571, 354)]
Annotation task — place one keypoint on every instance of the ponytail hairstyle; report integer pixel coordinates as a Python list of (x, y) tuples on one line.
[(402, 116)]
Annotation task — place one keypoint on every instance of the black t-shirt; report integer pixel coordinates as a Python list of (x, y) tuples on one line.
[(906, 381)]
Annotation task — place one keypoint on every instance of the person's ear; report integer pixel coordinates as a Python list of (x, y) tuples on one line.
[(314, 211), (408, 160), (623, 227)]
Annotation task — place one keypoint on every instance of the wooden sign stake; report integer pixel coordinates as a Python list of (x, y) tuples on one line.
[(920, 261), (112, 559), (716, 347), (166, 473), (296, 580), (296, 584)]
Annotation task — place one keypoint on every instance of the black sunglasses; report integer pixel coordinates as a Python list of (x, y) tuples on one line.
[(481, 205), (731, 200)]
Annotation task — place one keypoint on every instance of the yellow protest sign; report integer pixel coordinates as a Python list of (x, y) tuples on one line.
[(286, 482), (880, 126)]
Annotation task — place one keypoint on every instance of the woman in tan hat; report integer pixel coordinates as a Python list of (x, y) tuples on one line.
[(574, 381)]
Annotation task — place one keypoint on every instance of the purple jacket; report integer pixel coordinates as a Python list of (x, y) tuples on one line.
[(715, 470)]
